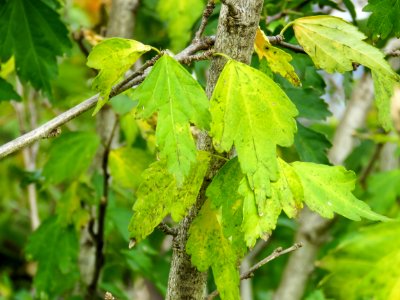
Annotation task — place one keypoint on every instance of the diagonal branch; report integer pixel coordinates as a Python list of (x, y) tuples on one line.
[(137, 77), (250, 273)]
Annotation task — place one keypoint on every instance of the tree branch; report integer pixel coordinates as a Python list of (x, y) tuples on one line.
[(166, 229), (137, 77), (250, 273)]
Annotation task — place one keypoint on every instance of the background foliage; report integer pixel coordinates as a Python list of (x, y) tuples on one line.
[(45, 70)]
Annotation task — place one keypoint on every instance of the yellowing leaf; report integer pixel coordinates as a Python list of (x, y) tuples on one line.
[(208, 247), (158, 195), (334, 45), (278, 60), (250, 111), (365, 265), (113, 57), (328, 190), (179, 100)]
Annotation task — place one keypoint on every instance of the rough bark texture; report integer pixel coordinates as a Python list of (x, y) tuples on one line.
[(235, 37), (313, 229)]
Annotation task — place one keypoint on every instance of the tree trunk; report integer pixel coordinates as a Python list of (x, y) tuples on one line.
[(235, 37)]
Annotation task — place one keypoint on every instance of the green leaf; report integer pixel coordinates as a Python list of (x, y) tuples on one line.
[(7, 91), (384, 20), (179, 100), (33, 33), (328, 190), (278, 60), (127, 164), (55, 248), (334, 45), (365, 265), (209, 247), (180, 17), (311, 145), (287, 194), (159, 195), (243, 99), (384, 89), (69, 156), (113, 57)]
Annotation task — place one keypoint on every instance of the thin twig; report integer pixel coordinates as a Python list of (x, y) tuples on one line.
[(204, 20), (44, 130), (99, 235), (250, 273), (166, 229)]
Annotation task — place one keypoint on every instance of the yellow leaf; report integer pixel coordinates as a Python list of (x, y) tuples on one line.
[(278, 60)]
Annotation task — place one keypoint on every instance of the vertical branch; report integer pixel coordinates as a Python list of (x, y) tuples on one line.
[(99, 235), (30, 153), (313, 229), (235, 37)]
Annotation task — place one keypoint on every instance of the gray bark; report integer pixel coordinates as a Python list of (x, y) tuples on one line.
[(313, 229), (235, 37)]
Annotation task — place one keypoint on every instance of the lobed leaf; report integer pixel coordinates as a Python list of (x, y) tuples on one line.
[(384, 20), (179, 100), (113, 57), (334, 45), (33, 32), (159, 195), (250, 111), (287, 194), (328, 190), (7, 91)]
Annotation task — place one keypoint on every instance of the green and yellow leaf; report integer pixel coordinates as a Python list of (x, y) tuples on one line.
[(287, 195), (179, 100), (159, 195), (113, 57), (335, 45), (250, 111), (328, 190), (278, 60)]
